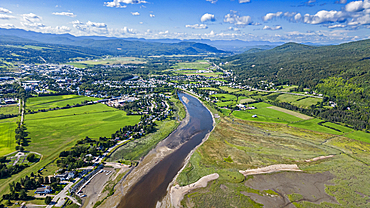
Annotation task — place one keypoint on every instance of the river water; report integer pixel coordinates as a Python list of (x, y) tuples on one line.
[(153, 186)]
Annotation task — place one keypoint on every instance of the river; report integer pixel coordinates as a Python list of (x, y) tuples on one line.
[(152, 187)]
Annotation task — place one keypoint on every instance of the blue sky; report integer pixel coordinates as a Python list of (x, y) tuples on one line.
[(317, 21)]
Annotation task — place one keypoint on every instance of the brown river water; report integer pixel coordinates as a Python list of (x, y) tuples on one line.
[(152, 187)]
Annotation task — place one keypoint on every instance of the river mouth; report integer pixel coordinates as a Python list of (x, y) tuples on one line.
[(152, 187)]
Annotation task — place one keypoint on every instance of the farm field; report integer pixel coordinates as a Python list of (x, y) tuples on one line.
[(62, 128), (209, 88), (7, 136), (313, 125), (229, 89), (109, 61), (225, 97), (46, 102), (265, 113), (307, 102), (198, 65), (360, 136), (288, 98), (13, 109)]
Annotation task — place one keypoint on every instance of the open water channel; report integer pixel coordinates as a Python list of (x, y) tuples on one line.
[(152, 187)]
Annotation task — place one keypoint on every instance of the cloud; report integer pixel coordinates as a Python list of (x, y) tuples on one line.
[(135, 13), (237, 20), (337, 26), (6, 17), (34, 25), (197, 26), (244, 1), (356, 6), (68, 14), (91, 27), (31, 17), (118, 3), (340, 2), (96, 24), (6, 11), (271, 16), (272, 28), (212, 1), (234, 29), (324, 16), (7, 26), (208, 17), (151, 15)]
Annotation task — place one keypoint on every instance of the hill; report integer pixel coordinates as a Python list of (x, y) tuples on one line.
[(340, 72)]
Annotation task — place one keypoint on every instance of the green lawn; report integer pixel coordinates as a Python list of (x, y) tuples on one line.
[(313, 125), (36, 103), (199, 65), (307, 102), (288, 98), (210, 88), (14, 109), (359, 135), (229, 89), (226, 97), (7, 136), (265, 114)]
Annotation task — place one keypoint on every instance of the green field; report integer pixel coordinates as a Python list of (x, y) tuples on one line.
[(265, 114), (359, 135), (229, 89), (14, 109), (307, 102), (313, 125), (288, 98), (109, 61), (46, 102), (287, 88), (198, 65), (225, 97), (7, 136), (210, 88)]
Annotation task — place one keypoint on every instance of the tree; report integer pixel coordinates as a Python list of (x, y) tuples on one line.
[(47, 200), (23, 195), (31, 157)]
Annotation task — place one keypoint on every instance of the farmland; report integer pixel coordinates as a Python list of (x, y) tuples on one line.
[(7, 140), (13, 109), (108, 61), (198, 65), (37, 103)]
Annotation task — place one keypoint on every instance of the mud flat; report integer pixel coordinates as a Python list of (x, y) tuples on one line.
[(291, 187)]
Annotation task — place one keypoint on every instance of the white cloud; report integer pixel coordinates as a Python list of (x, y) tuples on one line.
[(96, 24), (128, 30), (31, 17), (207, 17), (34, 25), (236, 19), (341, 2), (324, 16), (297, 17), (355, 6), (6, 11), (68, 14), (244, 1), (212, 1), (272, 28), (6, 17), (337, 26), (151, 15), (135, 13), (118, 3), (234, 29), (271, 16), (197, 26), (7, 26), (91, 27)]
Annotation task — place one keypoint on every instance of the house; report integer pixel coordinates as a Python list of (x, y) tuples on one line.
[(254, 116), (241, 106), (43, 190), (62, 176), (71, 175)]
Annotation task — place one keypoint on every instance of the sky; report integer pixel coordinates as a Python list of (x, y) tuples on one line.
[(315, 21)]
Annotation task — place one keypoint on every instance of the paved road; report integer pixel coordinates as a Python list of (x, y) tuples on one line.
[(58, 200)]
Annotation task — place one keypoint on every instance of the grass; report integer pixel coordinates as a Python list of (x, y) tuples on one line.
[(265, 114), (288, 98), (55, 131), (109, 61), (210, 88), (7, 136), (229, 89), (13, 109), (360, 136), (46, 102), (199, 65), (225, 97), (313, 125), (307, 102), (243, 99)]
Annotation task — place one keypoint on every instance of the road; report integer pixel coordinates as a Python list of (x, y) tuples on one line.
[(59, 199)]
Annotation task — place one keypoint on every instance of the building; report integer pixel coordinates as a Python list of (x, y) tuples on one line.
[(254, 116), (43, 190)]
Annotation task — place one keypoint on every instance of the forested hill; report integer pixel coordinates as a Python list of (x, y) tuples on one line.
[(340, 72), (303, 65), (106, 45)]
